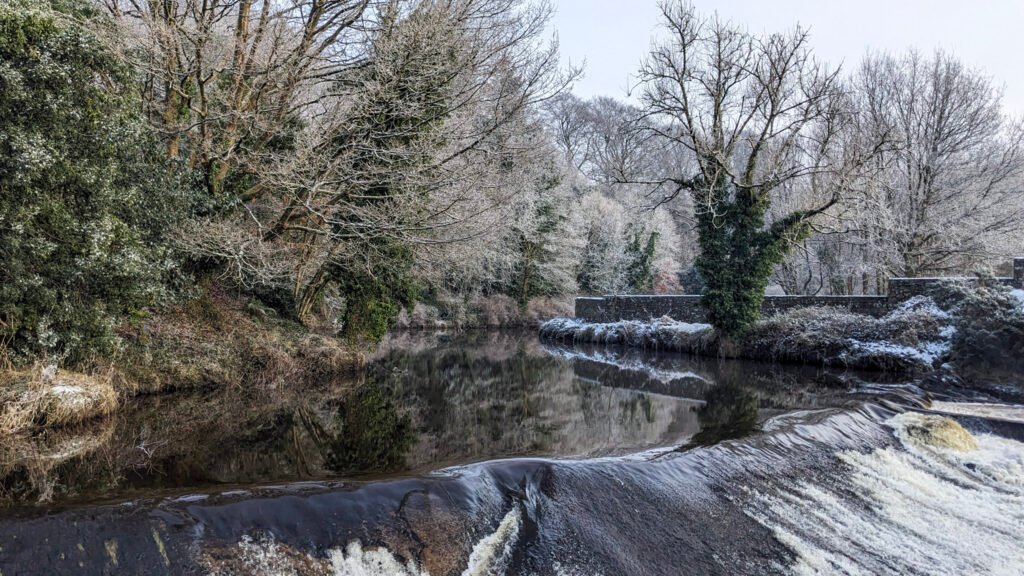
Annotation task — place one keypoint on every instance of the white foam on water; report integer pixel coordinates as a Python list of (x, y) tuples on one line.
[(1007, 412), (263, 557), (491, 555), (357, 561), (266, 557), (906, 509)]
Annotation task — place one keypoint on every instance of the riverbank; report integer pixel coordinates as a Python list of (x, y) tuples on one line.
[(976, 330), (212, 341), (491, 450)]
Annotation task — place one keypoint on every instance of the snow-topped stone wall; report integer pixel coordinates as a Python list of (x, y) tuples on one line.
[(687, 308)]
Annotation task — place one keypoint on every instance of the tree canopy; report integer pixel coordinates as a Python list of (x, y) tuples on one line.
[(82, 196)]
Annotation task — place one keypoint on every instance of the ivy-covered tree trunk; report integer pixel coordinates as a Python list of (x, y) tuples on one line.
[(738, 253), (752, 117)]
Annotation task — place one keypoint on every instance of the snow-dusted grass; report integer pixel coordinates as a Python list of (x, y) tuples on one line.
[(988, 345), (975, 327), (1019, 295), (662, 333), (916, 336), (45, 396)]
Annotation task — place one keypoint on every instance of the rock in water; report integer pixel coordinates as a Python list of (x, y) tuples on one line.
[(932, 431)]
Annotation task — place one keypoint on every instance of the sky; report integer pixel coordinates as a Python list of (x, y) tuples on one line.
[(613, 35)]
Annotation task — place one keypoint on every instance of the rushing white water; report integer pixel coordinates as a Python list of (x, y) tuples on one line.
[(491, 555), (265, 556), (914, 508), (357, 561), (929, 499)]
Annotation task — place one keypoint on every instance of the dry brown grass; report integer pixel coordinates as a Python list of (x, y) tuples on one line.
[(215, 340), (48, 397)]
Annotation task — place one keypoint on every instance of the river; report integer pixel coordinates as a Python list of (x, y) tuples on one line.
[(494, 453)]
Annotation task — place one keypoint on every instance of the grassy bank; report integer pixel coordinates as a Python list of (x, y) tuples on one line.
[(47, 397), (978, 330), (816, 336), (218, 339), (214, 340)]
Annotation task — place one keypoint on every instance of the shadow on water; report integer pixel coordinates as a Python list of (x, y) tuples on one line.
[(728, 412)]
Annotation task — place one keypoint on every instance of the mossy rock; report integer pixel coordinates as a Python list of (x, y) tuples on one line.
[(930, 431)]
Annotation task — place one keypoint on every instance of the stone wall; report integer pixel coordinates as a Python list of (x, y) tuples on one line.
[(901, 289), (687, 308)]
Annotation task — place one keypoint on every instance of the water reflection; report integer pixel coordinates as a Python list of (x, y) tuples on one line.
[(729, 412), (493, 395), (374, 436), (732, 396), (223, 437), (425, 402)]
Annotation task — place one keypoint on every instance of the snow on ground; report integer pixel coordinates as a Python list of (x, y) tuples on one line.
[(624, 331), (928, 352), (663, 323), (1019, 295), (666, 333)]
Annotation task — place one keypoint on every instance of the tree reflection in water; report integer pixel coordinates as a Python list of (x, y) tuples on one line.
[(729, 412), (424, 403), (373, 435)]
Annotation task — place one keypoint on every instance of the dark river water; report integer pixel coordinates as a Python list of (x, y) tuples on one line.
[(494, 453)]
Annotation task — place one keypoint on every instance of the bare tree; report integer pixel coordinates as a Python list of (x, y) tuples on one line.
[(222, 78), (570, 121), (949, 193), (407, 152), (757, 114)]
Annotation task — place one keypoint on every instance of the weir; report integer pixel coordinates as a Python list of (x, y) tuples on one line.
[(687, 308)]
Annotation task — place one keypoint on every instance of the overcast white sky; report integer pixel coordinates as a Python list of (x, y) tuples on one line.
[(613, 35)]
